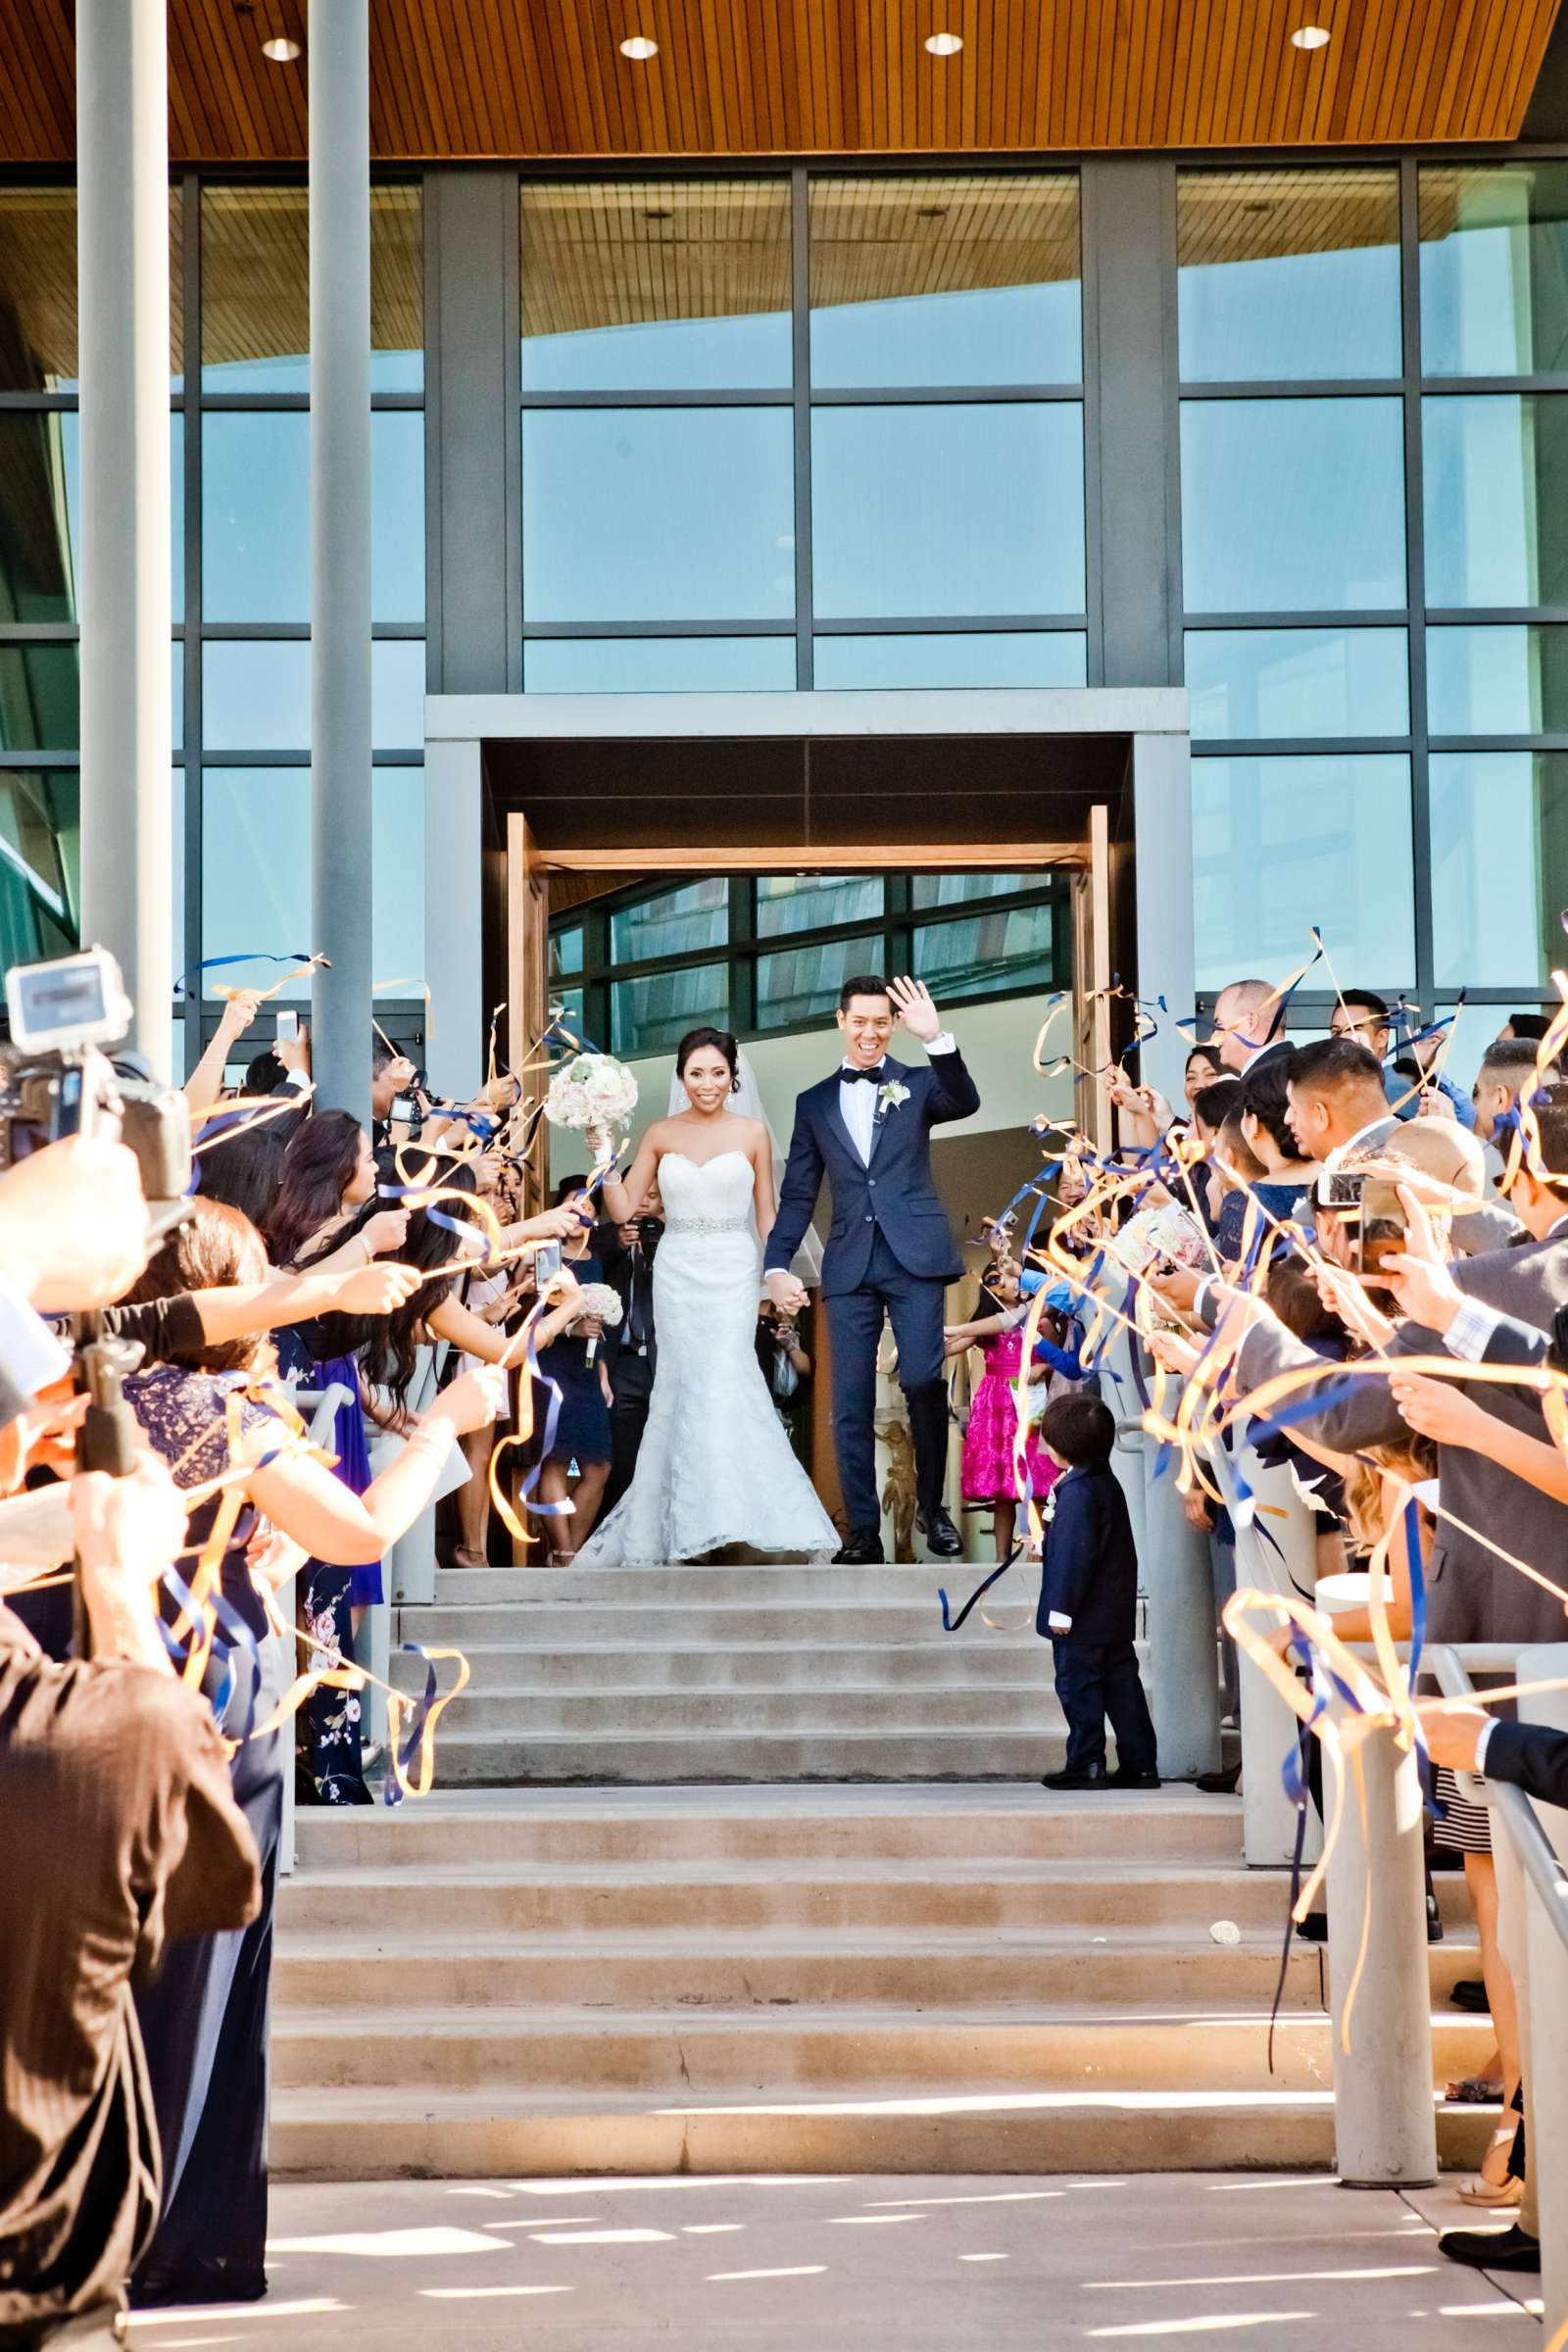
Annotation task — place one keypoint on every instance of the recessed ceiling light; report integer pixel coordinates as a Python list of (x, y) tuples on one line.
[(1310, 36), (280, 49), (944, 44), (640, 47)]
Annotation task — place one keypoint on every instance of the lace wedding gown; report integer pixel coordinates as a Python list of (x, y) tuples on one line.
[(714, 1466)]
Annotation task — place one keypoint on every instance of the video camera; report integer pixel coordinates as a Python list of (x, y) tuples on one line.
[(56, 1080)]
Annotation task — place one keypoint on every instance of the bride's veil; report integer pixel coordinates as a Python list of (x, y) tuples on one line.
[(747, 1101)]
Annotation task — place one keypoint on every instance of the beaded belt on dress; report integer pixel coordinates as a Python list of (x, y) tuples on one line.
[(707, 1224)]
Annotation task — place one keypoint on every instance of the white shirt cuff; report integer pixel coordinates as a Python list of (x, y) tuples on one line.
[(1471, 1332), (943, 1042), (1483, 1744), (298, 1078)]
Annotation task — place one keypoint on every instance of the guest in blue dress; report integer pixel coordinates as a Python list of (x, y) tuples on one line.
[(577, 1468)]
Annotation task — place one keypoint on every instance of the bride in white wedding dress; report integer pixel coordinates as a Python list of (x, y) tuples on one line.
[(714, 1467)]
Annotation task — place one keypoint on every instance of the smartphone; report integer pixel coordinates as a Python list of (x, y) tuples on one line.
[(1339, 1188), (547, 1262), (288, 1025), (1382, 1230)]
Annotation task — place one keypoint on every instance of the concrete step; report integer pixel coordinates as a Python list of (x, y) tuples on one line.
[(972, 1752), (335, 2134), (535, 1713), (523, 1827), (801, 1582), (822, 2049), (983, 1896), (780, 1623), (613, 1665), (932, 1968)]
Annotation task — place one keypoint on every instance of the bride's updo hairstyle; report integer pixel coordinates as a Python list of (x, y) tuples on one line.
[(721, 1042)]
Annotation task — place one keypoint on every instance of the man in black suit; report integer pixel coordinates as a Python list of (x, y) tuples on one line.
[(1533, 1756), (890, 1252), (1089, 1602)]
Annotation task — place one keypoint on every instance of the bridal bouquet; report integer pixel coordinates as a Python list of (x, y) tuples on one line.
[(592, 1089), (597, 1298)]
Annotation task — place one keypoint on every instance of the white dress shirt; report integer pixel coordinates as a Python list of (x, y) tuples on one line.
[(858, 1102)]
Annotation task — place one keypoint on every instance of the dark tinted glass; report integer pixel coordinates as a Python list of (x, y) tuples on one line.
[(802, 984), (958, 890), (658, 514), (944, 510), (40, 698), (1287, 275), (987, 954), (657, 286), (815, 902), (40, 863), (968, 279), (651, 1015), (41, 514), (679, 922), (565, 953)]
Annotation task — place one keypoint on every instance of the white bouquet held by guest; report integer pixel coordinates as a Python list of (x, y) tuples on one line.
[(591, 1090), (598, 1303)]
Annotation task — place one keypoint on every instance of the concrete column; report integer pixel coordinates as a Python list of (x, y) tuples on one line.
[(340, 551), (1167, 955), (1285, 1564), (1384, 2122), (123, 306), (1182, 1673)]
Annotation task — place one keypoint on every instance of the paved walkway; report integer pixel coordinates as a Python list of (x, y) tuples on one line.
[(847, 2265)]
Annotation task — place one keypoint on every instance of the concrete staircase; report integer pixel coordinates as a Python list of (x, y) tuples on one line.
[(749, 1962), (663, 1674), (925, 1979)]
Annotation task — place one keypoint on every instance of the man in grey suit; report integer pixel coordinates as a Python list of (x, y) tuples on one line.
[(1473, 1596), (1337, 1102)]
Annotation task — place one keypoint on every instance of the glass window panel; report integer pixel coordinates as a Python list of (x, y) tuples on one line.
[(802, 984), (1281, 844), (256, 289), (566, 951), (679, 922), (956, 279), (1494, 269), (955, 657), (256, 871), (657, 286), (653, 1014), (1287, 275), (659, 665), (1292, 505), (40, 516), (1495, 474), (255, 516), (38, 289), (177, 664), (256, 693), (948, 510), (572, 1005), (1280, 682), (958, 890), (1500, 681), (40, 698), (658, 514), (40, 852), (815, 902), (988, 955), (1499, 867)]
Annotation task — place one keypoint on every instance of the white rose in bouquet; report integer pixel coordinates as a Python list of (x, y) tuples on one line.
[(591, 1090)]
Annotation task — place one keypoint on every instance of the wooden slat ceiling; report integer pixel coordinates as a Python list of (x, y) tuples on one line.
[(544, 79)]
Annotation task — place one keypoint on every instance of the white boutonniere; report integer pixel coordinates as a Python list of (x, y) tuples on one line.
[(889, 1097)]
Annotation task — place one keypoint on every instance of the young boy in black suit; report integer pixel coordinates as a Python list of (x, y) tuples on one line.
[(1089, 1603)]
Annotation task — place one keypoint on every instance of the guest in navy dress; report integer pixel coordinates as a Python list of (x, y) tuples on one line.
[(577, 1468)]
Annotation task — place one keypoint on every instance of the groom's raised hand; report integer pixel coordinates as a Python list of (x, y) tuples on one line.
[(913, 1005)]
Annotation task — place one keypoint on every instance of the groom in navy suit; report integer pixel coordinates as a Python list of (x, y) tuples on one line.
[(889, 1249)]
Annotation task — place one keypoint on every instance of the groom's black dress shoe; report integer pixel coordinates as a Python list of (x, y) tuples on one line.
[(941, 1535), (862, 1549), (1492, 2249)]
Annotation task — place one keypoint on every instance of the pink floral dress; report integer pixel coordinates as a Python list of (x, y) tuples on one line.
[(989, 1475)]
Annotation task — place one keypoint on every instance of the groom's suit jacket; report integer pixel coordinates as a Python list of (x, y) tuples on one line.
[(891, 1194)]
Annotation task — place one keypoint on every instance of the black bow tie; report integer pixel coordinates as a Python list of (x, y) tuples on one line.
[(854, 1077)]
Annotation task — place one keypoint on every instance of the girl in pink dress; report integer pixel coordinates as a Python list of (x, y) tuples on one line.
[(989, 1472)]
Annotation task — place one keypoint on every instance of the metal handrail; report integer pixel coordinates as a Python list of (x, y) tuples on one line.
[(1537, 1857)]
